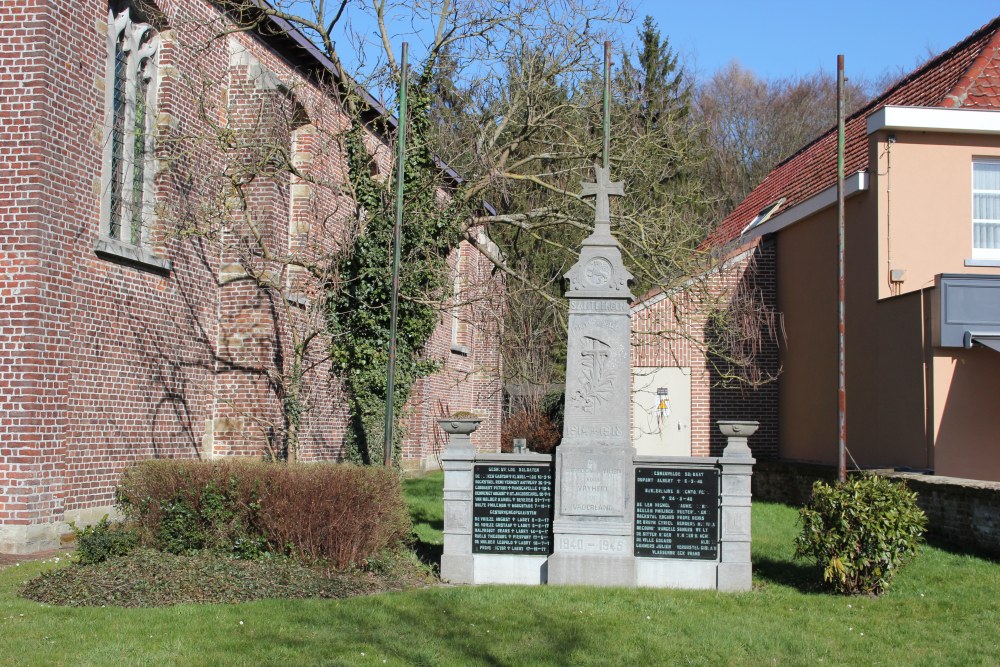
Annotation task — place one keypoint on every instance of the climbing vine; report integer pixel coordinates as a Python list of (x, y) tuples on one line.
[(359, 310)]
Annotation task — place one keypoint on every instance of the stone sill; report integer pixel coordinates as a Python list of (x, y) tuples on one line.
[(460, 349), (512, 458), (982, 262), (118, 251)]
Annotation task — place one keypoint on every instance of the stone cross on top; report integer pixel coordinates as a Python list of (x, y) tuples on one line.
[(602, 190)]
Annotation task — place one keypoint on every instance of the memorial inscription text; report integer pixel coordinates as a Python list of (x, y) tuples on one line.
[(677, 513), (512, 510)]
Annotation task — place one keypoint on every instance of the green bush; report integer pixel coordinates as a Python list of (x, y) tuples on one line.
[(338, 514), (182, 507), (861, 532), (103, 540)]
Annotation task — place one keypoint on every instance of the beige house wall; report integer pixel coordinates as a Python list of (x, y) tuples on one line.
[(909, 404), (924, 185), (807, 296), (966, 387), (884, 348)]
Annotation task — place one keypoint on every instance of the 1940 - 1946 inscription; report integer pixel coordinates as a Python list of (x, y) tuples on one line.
[(677, 513), (512, 510)]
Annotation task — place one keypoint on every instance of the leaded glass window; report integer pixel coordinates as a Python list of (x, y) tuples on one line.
[(127, 203)]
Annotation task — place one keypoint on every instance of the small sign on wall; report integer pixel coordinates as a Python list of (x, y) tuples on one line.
[(661, 411)]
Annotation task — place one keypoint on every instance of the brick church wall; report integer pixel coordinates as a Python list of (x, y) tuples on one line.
[(104, 362)]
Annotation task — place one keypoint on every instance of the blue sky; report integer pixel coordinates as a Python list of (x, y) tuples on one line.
[(779, 38), (773, 38)]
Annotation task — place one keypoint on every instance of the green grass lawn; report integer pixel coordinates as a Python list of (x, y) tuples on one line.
[(942, 610)]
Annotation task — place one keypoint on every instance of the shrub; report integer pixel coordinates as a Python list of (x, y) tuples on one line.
[(537, 427), (860, 532), (187, 506), (339, 514), (103, 540)]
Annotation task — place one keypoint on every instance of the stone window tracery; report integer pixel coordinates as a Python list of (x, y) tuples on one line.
[(127, 182)]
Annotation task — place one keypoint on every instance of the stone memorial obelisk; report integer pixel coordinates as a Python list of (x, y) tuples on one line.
[(592, 520)]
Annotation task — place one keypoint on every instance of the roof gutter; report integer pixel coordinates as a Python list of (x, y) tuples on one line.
[(853, 184), (935, 119)]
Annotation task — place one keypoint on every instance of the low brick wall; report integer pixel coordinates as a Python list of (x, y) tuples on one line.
[(786, 482), (961, 513)]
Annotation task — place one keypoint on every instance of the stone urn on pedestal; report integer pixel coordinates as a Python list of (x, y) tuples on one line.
[(735, 569), (460, 427), (736, 433), (457, 460)]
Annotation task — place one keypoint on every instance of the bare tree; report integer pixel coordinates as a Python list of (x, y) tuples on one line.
[(508, 92), (752, 124)]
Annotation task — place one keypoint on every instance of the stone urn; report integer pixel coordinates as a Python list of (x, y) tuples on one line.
[(459, 428), (460, 424), (736, 433), (738, 429)]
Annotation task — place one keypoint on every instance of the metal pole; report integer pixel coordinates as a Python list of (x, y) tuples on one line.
[(842, 371), (397, 239), (607, 105)]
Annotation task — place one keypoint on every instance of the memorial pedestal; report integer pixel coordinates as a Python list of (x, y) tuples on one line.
[(735, 570), (457, 460)]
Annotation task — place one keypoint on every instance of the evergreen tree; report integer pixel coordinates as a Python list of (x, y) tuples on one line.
[(663, 90)]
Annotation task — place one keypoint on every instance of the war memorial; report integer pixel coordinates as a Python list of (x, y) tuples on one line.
[(595, 513)]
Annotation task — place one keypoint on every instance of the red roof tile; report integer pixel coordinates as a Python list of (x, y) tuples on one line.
[(966, 75)]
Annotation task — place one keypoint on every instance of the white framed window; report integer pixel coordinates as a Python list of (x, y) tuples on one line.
[(986, 208), (127, 187)]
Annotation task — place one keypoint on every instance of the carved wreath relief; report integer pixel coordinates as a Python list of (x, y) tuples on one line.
[(598, 272), (596, 385)]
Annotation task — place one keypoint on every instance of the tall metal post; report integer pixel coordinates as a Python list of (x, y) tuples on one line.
[(397, 238), (842, 370), (607, 105)]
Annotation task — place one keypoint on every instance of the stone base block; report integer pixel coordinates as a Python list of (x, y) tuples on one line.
[(735, 577), (457, 569), (20, 539), (30, 539), (591, 570), (671, 573), (505, 569)]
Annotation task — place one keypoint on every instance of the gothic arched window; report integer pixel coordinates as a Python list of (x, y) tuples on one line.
[(127, 182)]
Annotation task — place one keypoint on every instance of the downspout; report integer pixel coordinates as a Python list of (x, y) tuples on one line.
[(928, 359)]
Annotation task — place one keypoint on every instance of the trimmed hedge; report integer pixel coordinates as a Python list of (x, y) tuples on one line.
[(339, 514)]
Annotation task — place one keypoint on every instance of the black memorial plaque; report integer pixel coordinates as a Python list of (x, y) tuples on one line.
[(677, 513), (512, 510)]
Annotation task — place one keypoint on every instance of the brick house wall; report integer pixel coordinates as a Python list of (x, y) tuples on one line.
[(674, 330), (105, 361)]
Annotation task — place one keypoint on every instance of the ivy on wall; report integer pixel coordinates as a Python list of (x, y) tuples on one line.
[(359, 310)]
